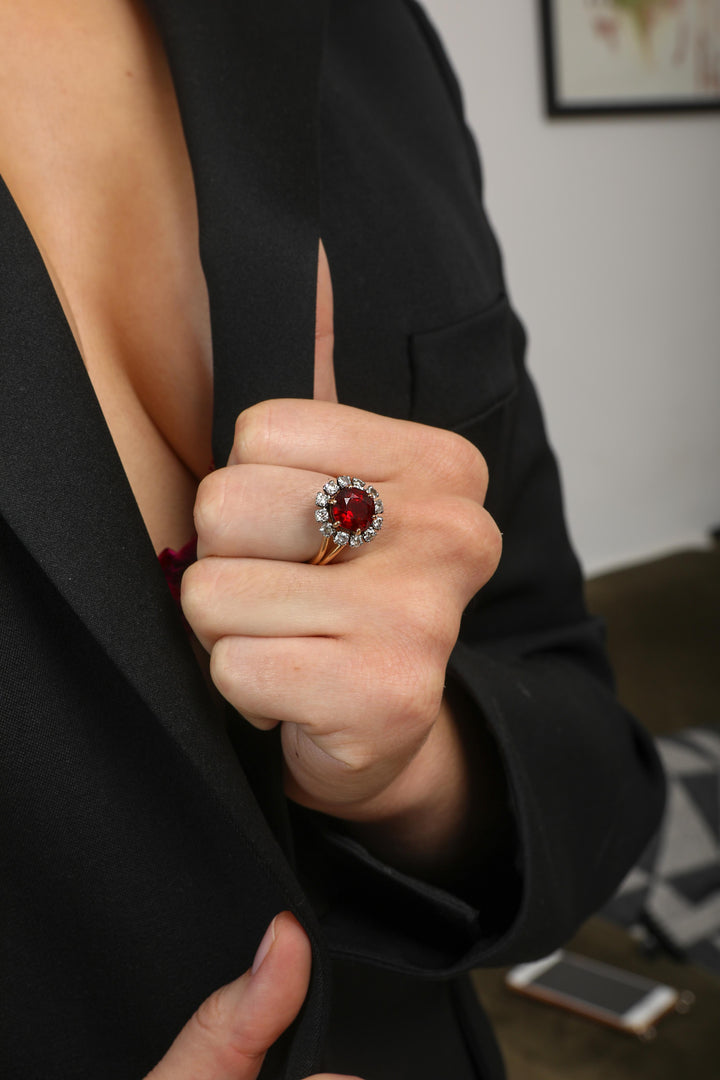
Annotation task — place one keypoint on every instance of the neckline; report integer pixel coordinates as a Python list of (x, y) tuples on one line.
[(34, 242)]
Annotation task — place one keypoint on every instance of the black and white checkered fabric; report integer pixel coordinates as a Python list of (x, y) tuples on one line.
[(674, 890)]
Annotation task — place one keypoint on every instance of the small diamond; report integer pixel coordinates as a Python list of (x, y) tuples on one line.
[(356, 540), (373, 491), (368, 535), (322, 515), (327, 529), (341, 538), (379, 506), (377, 524), (331, 488), (321, 499), (344, 481), (357, 483)]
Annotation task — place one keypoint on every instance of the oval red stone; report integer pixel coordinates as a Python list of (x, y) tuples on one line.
[(352, 509)]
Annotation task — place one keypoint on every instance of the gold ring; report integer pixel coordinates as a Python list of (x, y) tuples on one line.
[(349, 513)]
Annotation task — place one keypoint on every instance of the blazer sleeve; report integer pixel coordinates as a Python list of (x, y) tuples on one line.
[(583, 781)]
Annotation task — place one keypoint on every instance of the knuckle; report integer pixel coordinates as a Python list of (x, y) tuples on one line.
[(431, 445), (241, 682), (213, 1015), (428, 618), (442, 628), (414, 686), (467, 521), (420, 697), (253, 432), (460, 462), (492, 552), (485, 556), (472, 466), (459, 537), (191, 587), (196, 591), (472, 541), (216, 1027), (493, 546), (222, 668), (209, 504)]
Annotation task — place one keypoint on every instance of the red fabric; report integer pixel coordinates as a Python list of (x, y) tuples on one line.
[(175, 563)]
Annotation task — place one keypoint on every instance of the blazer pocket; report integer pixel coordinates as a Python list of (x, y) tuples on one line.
[(463, 372)]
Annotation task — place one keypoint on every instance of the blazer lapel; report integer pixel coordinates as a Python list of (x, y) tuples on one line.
[(62, 486), (64, 492), (247, 81)]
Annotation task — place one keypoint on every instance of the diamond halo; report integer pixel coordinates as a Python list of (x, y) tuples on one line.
[(349, 513)]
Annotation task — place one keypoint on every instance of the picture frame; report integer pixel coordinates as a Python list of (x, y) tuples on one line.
[(631, 56)]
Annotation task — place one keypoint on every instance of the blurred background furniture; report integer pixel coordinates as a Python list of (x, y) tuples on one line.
[(663, 625)]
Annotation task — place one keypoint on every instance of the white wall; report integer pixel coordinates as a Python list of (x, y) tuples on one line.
[(611, 234)]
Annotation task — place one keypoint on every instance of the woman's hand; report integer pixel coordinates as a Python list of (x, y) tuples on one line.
[(228, 1036), (350, 658)]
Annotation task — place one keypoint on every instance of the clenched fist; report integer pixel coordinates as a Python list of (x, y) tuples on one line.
[(351, 657)]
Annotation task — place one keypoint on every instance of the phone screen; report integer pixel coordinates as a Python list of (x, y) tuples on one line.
[(597, 987)]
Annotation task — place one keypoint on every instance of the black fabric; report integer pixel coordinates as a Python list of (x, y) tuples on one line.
[(145, 846), (246, 78), (390, 1009)]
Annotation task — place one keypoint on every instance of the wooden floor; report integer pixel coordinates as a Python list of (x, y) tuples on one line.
[(663, 624)]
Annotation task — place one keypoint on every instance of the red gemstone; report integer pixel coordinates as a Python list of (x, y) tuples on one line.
[(352, 509)]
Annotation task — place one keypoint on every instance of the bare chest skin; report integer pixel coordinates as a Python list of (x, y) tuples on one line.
[(93, 152)]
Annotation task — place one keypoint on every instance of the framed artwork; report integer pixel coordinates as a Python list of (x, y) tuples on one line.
[(604, 56)]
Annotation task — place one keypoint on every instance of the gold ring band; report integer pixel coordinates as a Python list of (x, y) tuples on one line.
[(326, 553)]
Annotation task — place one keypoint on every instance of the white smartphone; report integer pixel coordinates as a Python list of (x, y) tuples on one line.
[(596, 990)]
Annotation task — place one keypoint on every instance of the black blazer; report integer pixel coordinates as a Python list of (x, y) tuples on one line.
[(146, 845)]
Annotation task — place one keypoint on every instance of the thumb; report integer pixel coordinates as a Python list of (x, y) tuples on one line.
[(228, 1036)]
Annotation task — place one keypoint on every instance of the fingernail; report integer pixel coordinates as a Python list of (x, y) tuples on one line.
[(265, 946)]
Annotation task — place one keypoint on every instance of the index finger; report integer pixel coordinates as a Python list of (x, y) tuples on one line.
[(329, 438)]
